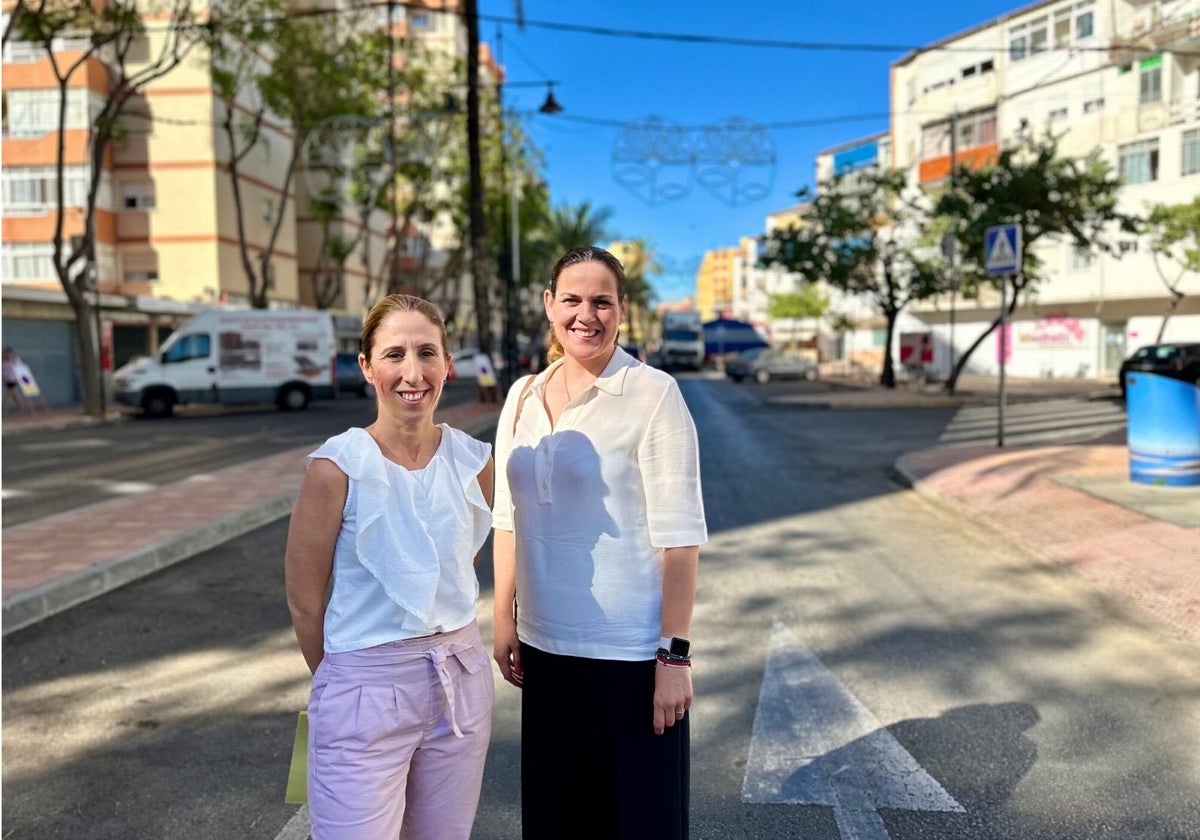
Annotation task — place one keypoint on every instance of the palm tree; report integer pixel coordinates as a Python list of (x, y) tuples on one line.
[(640, 264)]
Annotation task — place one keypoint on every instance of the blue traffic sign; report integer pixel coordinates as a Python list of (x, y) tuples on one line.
[(1002, 249)]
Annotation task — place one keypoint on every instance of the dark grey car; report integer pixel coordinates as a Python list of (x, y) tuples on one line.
[(766, 363), (350, 379)]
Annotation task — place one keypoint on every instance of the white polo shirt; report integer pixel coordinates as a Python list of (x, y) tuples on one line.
[(592, 503)]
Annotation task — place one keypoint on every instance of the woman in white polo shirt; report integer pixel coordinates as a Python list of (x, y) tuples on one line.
[(598, 523), (381, 586)]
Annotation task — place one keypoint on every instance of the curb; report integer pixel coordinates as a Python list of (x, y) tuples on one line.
[(34, 605)]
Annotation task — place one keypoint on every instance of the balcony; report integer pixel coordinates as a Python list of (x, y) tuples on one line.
[(1180, 32), (1153, 28), (1183, 111)]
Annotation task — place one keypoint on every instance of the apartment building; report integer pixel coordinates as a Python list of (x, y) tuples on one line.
[(1122, 77), (715, 283)]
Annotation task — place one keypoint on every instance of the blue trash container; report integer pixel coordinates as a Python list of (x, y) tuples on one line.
[(1163, 430)]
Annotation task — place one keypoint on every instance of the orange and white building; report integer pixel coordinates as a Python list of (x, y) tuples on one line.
[(166, 228)]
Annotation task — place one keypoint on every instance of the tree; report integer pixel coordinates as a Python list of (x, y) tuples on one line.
[(641, 263), (864, 240), (1050, 197), (1175, 236), (313, 72), (112, 36)]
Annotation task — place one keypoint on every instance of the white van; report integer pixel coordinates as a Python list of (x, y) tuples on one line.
[(235, 357)]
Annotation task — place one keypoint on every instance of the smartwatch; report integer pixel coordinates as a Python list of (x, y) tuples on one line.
[(675, 646)]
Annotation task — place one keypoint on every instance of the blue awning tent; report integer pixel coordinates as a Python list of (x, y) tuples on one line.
[(725, 335)]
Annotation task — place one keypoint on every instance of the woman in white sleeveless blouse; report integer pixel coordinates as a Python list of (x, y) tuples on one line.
[(381, 587)]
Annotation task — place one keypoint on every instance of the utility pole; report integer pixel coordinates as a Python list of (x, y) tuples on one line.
[(512, 272), (479, 272), (393, 238), (954, 276)]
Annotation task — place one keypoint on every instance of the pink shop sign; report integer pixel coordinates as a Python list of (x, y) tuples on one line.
[(1055, 331)]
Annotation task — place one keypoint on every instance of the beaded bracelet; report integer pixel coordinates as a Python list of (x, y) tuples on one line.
[(671, 661)]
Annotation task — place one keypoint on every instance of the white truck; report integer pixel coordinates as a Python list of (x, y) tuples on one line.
[(682, 344), (235, 357)]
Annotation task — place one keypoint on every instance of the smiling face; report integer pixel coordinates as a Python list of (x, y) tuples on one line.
[(408, 363), (586, 310)]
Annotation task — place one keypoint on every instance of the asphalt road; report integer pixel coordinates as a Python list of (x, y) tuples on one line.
[(867, 665), (47, 471)]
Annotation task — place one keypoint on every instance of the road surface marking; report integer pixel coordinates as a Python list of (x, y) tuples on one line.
[(815, 743), (299, 827)]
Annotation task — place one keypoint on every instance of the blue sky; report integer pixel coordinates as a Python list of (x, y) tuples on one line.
[(612, 86)]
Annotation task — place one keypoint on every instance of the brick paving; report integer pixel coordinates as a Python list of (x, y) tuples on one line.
[(1132, 556)]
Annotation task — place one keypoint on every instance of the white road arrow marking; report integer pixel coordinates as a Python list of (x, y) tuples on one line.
[(815, 743)]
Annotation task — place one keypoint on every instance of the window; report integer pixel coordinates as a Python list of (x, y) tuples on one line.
[(1017, 44), (978, 69), (1062, 28), (1057, 114), (34, 112), (137, 196), (1150, 80), (1084, 27), (32, 189), (1138, 162), (1080, 258), (195, 346), (1128, 246), (1038, 36), (1191, 152), (25, 261), (1093, 105)]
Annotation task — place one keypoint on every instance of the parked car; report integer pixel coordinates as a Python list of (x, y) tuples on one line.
[(350, 379), (762, 364), (1178, 361)]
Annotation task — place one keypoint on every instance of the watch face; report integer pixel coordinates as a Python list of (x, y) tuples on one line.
[(680, 647)]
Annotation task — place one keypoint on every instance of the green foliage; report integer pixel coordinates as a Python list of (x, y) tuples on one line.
[(1175, 233), (1048, 195), (864, 238), (808, 302)]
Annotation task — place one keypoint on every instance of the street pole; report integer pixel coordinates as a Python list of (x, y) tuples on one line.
[(954, 275), (392, 243), (514, 229), (480, 281), (1003, 358)]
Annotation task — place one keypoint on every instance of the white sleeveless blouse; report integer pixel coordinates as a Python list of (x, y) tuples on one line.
[(403, 564)]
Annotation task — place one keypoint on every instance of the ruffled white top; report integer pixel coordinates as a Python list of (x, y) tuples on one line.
[(403, 565)]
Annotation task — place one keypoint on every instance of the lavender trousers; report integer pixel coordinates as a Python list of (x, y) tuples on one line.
[(397, 737)]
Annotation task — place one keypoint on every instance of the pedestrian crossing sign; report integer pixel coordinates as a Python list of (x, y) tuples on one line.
[(1002, 249)]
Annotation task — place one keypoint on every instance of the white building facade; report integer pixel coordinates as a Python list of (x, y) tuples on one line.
[(1122, 77)]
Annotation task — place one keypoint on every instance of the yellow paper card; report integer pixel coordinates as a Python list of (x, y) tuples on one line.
[(297, 783)]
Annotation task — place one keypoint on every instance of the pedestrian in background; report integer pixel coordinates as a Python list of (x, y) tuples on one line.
[(598, 522), (21, 391), (381, 587), (485, 378)]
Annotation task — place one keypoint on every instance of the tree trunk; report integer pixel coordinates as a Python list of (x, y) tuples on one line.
[(1176, 299), (952, 381), (887, 378)]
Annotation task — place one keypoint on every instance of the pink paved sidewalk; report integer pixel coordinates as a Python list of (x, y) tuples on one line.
[(1152, 564)]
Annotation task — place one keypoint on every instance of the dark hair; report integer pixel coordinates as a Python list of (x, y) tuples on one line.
[(576, 256), (398, 303)]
